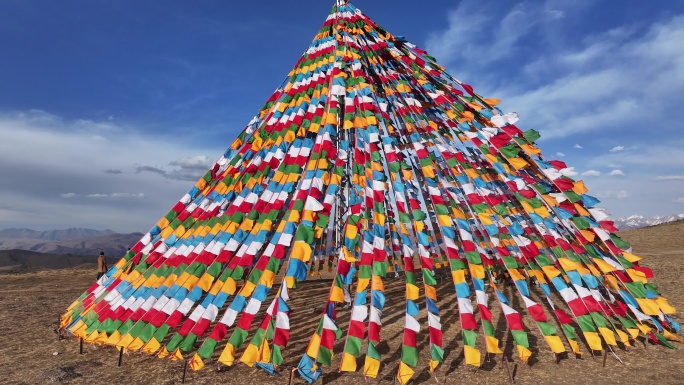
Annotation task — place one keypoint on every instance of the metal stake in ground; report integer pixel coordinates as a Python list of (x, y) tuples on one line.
[(120, 355), (508, 369), (80, 346), (292, 372), (605, 357), (185, 372)]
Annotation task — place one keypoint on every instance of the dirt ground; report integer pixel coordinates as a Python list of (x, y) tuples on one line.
[(31, 353)]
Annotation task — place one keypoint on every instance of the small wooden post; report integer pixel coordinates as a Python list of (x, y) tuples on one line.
[(292, 372), (80, 346), (120, 355), (59, 329), (185, 372), (605, 357), (508, 370)]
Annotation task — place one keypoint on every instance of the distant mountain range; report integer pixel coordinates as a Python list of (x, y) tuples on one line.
[(637, 221), (74, 241), (53, 235)]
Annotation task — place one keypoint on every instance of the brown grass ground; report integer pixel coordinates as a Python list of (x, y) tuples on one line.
[(30, 352)]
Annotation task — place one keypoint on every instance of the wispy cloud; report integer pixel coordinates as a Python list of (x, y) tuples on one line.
[(617, 148), (616, 172), (577, 146), (186, 168), (561, 154), (591, 173), (679, 200), (670, 177), (104, 196)]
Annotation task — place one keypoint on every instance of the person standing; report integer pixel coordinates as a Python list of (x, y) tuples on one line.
[(101, 265)]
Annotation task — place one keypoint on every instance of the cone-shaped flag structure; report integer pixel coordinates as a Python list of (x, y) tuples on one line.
[(370, 158)]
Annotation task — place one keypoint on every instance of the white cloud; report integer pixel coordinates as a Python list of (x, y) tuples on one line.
[(616, 172), (68, 195), (569, 171), (679, 200), (591, 173), (186, 168), (561, 154), (577, 146), (670, 177), (617, 148), (569, 88)]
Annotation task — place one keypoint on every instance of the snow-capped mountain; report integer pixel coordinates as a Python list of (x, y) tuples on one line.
[(636, 221)]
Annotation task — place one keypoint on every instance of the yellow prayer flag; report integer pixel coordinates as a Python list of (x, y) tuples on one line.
[(517, 163), (371, 367), (163, 353), (524, 353), (555, 343), (91, 337), (151, 346), (196, 362), (337, 294), (472, 356), (580, 188), (348, 363), (125, 341), (228, 355), (377, 283), (102, 338), (405, 373), (575, 347), (362, 284), (430, 292), (458, 276), (608, 336), (177, 356), (631, 257), (648, 306), (493, 345), (604, 266), (664, 305), (567, 264), (114, 338), (623, 337), (312, 349), (551, 271), (412, 292), (249, 356), (643, 328), (477, 271), (593, 340), (636, 275), (671, 336), (589, 235), (301, 250), (136, 344)]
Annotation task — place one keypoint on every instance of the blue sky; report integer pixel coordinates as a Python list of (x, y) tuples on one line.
[(109, 111)]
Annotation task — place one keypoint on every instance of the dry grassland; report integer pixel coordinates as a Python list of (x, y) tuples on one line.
[(30, 352)]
